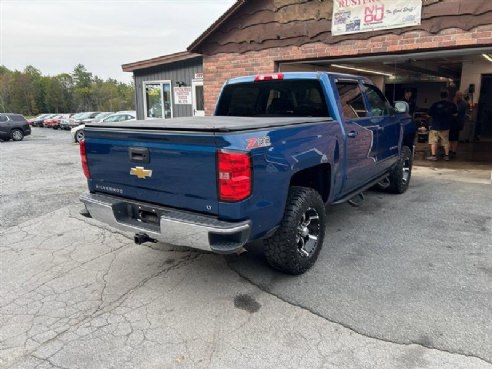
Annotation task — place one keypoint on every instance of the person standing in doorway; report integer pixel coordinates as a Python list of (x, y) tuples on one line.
[(408, 98), (442, 113), (457, 124)]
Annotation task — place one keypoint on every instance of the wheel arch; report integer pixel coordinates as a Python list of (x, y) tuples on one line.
[(317, 177), (17, 129)]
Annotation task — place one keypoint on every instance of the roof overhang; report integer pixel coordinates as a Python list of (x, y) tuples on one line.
[(195, 46), (160, 60)]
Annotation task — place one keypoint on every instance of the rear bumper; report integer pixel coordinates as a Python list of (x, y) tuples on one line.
[(172, 226)]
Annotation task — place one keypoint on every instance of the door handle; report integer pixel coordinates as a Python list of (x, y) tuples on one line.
[(352, 134)]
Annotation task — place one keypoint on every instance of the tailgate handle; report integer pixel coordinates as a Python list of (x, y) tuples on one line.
[(139, 154)]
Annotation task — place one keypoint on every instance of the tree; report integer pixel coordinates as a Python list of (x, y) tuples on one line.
[(30, 92), (83, 88)]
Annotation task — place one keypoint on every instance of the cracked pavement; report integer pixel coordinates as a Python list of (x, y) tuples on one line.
[(76, 294)]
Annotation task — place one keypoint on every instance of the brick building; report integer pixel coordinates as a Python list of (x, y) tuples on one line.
[(450, 47)]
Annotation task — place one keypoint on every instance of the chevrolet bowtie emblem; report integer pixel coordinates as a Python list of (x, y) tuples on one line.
[(141, 172)]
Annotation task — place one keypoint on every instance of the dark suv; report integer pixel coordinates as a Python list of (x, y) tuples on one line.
[(13, 126)]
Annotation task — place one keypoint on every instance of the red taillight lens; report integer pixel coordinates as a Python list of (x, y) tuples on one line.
[(234, 176), (270, 77), (83, 157)]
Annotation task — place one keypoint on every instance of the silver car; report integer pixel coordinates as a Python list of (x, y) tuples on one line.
[(123, 116)]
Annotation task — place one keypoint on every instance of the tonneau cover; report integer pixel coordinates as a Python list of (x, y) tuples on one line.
[(213, 124)]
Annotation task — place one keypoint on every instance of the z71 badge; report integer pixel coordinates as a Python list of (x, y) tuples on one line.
[(258, 142)]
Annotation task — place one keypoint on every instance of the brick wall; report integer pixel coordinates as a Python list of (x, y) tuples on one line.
[(220, 67)]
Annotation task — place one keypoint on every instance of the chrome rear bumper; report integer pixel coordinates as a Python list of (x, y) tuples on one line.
[(171, 226)]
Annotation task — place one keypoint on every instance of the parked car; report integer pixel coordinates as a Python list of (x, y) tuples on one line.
[(39, 122), (54, 122), (13, 127), (74, 122), (279, 149), (65, 123), (98, 117), (78, 132), (39, 117), (47, 121)]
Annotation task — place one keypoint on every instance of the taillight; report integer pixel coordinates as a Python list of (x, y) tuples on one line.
[(83, 157), (234, 176), (269, 77)]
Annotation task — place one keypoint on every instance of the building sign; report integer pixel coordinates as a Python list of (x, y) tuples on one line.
[(182, 95), (354, 16), (198, 75)]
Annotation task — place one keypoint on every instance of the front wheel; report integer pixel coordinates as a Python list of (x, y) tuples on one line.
[(295, 246), (17, 135), (79, 136), (401, 173)]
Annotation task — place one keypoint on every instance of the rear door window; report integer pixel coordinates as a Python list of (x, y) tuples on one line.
[(18, 118), (352, 100)]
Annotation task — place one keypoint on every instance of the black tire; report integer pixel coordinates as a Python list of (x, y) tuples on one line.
[(287, 250), (401, 173), (17, 135), (79, 136)]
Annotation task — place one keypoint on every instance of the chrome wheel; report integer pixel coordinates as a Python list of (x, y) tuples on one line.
[(17, 135), (79, 136), (308, 233), (406, 170)]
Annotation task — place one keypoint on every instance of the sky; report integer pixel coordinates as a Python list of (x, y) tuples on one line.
[(56, 35)]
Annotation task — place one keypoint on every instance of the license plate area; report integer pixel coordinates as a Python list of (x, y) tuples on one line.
[(134, 214), (148, 216)]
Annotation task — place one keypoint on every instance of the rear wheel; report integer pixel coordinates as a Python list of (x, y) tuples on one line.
[(17, 135), (401, 173), (296, 244), (79, 136)]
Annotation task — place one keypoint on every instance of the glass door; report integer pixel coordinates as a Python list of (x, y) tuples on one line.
[(198, 99), (157, 100)]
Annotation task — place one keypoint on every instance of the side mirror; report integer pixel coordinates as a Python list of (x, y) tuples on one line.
[(402, 107)]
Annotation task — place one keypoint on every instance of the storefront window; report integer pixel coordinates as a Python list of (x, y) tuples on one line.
[(158, 102), (200, 104)]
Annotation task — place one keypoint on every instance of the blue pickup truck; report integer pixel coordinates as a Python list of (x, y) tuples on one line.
[(279, 148)]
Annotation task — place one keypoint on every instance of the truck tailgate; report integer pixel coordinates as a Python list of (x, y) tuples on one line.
[(176, 169)]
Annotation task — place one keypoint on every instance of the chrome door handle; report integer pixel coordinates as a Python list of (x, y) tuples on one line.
[(352, 134)]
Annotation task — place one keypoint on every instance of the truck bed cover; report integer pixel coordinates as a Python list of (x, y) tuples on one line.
[(210, 124)]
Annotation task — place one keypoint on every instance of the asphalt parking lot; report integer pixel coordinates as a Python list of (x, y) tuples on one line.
[(402, 282)]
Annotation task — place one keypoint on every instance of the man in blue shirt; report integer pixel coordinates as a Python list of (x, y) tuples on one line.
[(442, 113)]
